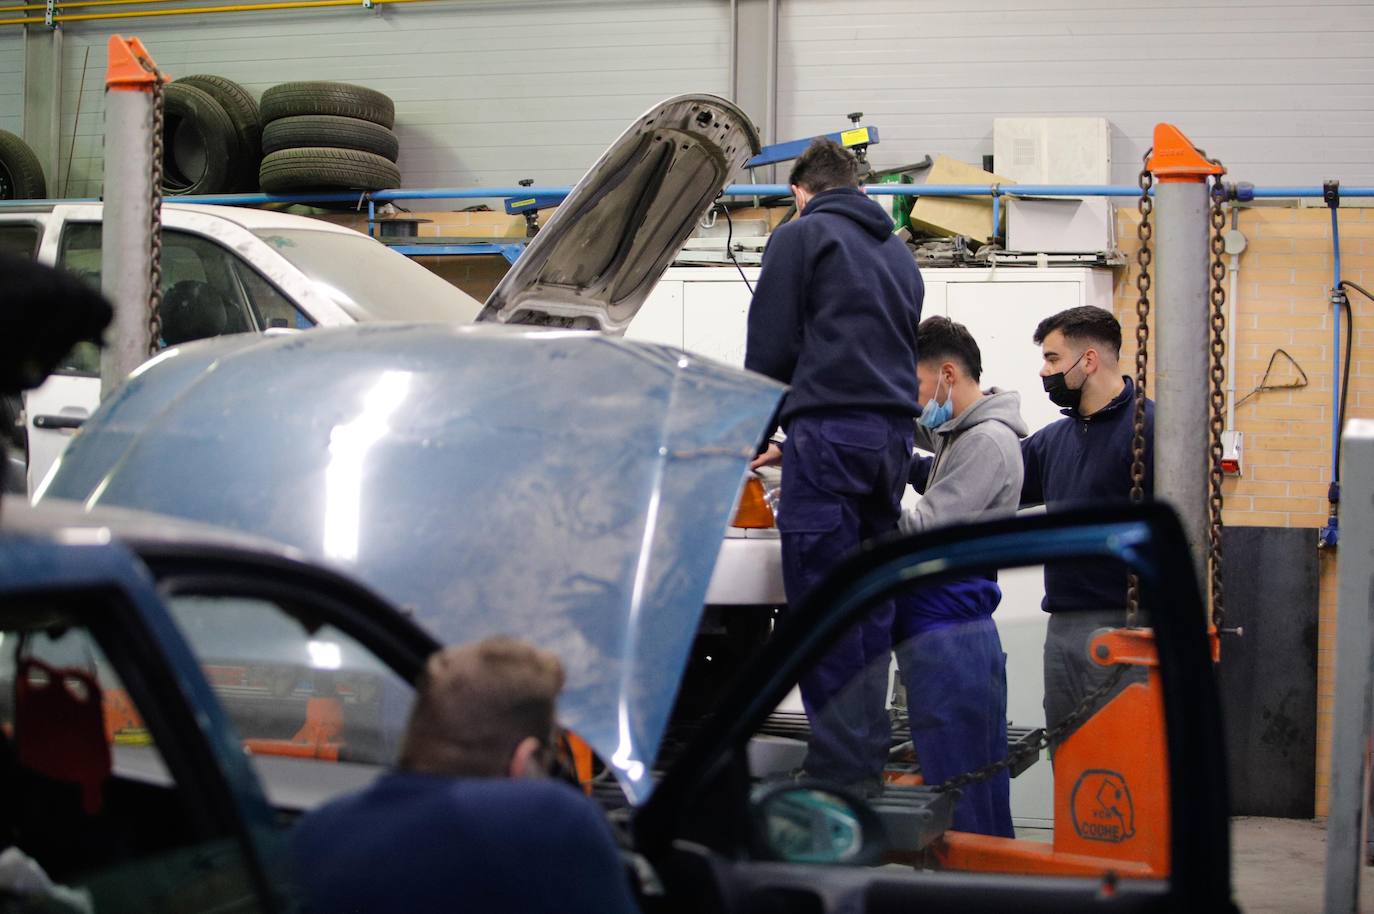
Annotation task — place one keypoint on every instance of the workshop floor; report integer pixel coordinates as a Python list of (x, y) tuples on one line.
[(1279, 866)]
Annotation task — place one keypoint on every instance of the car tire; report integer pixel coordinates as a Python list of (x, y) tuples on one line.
[(326, 168), (21, 174), (329, 130), (243, 113), (338, 99), (200, 147)]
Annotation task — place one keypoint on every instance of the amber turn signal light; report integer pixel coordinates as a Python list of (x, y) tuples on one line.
[(753, 511)]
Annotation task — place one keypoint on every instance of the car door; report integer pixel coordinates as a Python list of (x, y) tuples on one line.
[(124, 789), (207, 290), (315, 672), (1141, 819)]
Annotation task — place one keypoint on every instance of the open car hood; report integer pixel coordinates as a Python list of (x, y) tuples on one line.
[(598, 258), (570, 489)]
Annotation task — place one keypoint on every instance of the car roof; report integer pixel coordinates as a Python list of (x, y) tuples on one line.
[(71, 520), (248, 217)]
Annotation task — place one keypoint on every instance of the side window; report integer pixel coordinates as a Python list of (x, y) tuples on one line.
[(293, 686), (90, 796), (271, 308), (206, 289), (21, 240)]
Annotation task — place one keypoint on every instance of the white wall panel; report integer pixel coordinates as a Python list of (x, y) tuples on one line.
[(486, 92), (11, 79), (1282, 92)]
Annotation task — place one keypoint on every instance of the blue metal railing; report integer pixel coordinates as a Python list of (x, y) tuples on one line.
[(734, 190)]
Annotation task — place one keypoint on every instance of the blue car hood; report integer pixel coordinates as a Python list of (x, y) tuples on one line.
[(567, 488)]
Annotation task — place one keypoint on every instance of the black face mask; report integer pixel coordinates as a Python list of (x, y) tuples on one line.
[(1061, 394)]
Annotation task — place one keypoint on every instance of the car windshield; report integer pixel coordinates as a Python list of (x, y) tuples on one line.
[(369, 281)]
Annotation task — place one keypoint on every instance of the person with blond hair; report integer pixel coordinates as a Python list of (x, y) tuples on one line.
[(469, 820)]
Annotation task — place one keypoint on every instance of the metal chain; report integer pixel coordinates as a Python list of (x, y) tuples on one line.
[(155, 254), (1215, 475), (1144, 257), (1050, 737)]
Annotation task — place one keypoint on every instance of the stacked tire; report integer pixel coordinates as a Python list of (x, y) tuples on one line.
[(21, 174), (211, 137), (327, 136)]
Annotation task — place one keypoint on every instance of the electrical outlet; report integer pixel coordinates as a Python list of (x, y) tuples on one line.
[(1231, 444)]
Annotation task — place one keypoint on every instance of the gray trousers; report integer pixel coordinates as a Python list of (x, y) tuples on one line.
[(1070, 673)]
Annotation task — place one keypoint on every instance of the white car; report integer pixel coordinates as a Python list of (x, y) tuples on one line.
[(224, 270)]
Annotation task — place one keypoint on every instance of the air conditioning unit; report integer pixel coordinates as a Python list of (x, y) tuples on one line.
[(1053, 150)]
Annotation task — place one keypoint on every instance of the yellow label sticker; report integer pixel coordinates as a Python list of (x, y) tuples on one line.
[(133, 737), (854, 137), (528, 202)]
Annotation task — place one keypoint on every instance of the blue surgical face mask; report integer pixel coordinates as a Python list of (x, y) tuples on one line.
[(935, 414)]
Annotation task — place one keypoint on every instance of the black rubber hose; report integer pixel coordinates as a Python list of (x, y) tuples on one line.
[(1345, 381)]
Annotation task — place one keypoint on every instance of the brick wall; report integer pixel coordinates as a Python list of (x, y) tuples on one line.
[(1283, 302)]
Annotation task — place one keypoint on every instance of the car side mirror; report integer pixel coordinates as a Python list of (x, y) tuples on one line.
[(815, 823)]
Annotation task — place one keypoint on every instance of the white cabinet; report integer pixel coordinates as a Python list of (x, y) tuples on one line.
[(705, 311)]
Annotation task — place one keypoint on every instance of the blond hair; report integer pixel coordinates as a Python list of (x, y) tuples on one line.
[(475, 703)]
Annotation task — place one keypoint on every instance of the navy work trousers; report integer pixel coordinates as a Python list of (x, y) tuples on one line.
[(843, 473), (955, 675)]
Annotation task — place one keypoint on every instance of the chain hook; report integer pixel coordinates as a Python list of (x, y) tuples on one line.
[(155, 218), (1144, 258), (1217, 427)]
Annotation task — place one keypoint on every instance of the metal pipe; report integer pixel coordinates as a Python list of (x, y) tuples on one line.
[(74, 4), (201, 10), (1231, 347), (772, 85), (1311, 191), (1181, 352), (732, 79), (126, 232), (734, 190), (1354, 631), (1336, 339)]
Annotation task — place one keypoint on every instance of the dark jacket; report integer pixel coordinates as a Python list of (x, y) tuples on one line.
[(836, 309), (418, 842), (1086, 460)]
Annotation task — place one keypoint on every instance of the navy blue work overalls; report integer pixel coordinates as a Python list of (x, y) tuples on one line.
[(843, 473)]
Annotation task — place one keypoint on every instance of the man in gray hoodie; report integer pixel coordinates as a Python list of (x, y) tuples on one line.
[(947, 645)]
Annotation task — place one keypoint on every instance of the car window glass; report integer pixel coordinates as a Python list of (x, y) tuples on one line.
[(293, 687), (932, 710), (206, 289), (20, 240), (270, 307), (90, 799), (368, 280)]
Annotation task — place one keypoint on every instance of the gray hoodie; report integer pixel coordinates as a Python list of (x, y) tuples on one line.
[(977, 471)]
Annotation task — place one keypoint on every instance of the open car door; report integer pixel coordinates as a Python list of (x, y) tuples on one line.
[(1140, 810)]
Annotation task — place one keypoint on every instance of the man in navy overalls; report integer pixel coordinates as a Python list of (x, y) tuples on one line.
[(835, 316)]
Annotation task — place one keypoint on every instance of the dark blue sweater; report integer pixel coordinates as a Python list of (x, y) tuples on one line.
[(417, 842), (836, 309), (1082, 460)]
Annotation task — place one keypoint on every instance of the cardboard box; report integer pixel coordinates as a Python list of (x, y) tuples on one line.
[(1070, 225), (947, 216)]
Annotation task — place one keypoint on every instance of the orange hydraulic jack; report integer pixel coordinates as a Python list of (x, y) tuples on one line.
[(317, 738), (1111, 787)]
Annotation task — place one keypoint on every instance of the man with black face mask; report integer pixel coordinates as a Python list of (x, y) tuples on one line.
[(1083, 458)]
